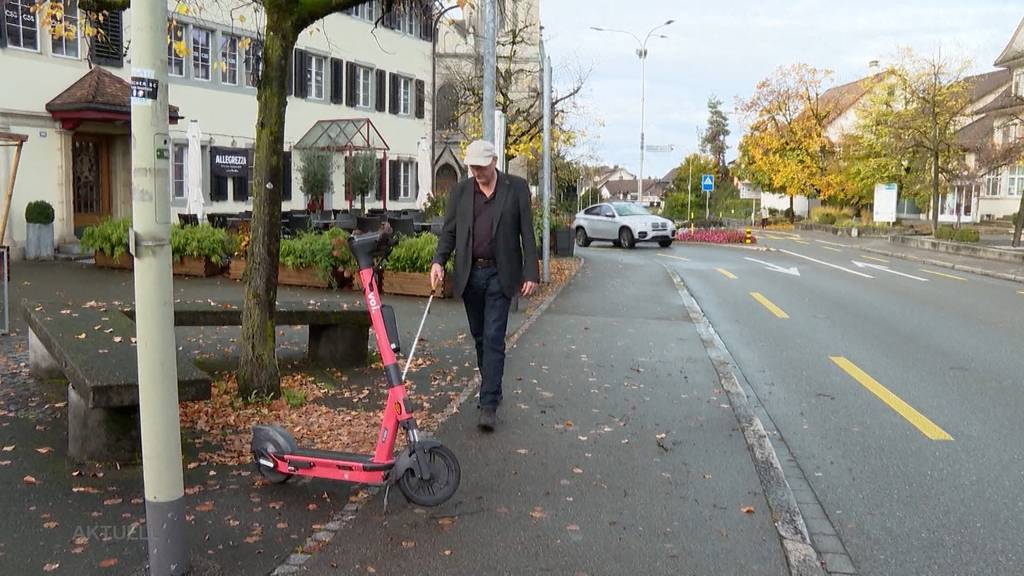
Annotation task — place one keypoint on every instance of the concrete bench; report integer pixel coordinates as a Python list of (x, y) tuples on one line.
[(93, 348), (338, 337)]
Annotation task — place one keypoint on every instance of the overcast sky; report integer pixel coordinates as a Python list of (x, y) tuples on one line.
[(724, 47)]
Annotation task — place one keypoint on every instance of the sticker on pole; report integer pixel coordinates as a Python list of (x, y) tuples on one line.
[(145, 87), (707, 183)]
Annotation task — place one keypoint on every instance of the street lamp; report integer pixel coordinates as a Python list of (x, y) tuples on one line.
[(642, 54)]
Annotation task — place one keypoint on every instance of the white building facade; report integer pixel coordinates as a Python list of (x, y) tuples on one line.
[(77, 156)]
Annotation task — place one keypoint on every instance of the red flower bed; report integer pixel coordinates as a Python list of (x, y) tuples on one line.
[(714, 236)]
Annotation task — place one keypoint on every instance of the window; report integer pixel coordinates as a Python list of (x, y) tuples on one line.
[(201, 53), (405, 175), (229, 60), (106, 47), (369, 11), (404, 96), (21, 24), (992, 183), (1018, 83), (364, 87), (315, 76), (64, 33), (1015, 180), (408, 22), (593, 211), (179, 171), (253, 60), (175, 47)]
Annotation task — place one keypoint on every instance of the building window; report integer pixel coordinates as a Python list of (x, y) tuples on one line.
[(175, 48), (1015, 180), (229, 60), (179, 171), (1018, 83), (315, 76), (405, 175), (364, 87), (201, 53), (22, 24), (992, 183), (408, 22), (253, 59), (368, 11), (64, 32), (404, 96)]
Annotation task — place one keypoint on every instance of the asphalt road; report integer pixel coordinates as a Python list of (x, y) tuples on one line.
[(897, 389)]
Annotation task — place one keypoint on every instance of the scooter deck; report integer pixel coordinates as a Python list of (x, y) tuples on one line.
[(331, 455)]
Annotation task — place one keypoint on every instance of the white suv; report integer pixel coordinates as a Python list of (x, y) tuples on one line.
[(624, 224)]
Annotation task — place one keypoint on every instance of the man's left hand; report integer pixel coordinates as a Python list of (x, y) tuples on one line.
[(529, 288)]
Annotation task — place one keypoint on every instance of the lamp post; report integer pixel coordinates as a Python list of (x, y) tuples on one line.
[(642, 54)]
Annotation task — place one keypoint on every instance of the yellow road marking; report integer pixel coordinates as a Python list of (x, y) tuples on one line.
[(882, 260), (769, 305), (922, 423), (726, 273), (676, 257), (944, 275), (1020, 291), (832, 243), (830, 248)]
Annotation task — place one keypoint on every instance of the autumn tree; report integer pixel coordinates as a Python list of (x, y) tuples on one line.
[(713, 142), (786, 148), (281, 23)]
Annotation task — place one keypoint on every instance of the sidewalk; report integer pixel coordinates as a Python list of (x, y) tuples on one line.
[(66, 519)]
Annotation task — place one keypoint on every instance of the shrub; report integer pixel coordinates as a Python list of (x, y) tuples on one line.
[(944, 233), (327, 252), (109, 237), (967, 235), (719, 236), (39, 212), (826, 218), (203, 241), (414, 254)]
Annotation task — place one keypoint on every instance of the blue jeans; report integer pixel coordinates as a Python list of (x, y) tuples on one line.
[(487, 308)]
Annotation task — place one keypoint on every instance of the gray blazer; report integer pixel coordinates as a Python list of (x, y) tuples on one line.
[(515, 246)]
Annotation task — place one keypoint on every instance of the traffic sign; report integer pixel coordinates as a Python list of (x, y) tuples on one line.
[(707, 183)]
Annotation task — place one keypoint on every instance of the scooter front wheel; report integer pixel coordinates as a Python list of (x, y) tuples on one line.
[(445, 475)]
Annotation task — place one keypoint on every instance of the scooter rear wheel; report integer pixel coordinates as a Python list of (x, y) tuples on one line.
[(445, 475), (271, 440)]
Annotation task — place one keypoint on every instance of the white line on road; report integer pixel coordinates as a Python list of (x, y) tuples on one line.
[(792, 270), (676, 257), (833, 243), (837, 267), (886, 269)]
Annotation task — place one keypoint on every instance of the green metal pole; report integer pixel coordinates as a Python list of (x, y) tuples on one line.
[(154, 304)]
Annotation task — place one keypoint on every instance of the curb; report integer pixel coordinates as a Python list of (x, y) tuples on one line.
[(803, 560), (944, 264), (343, 520)]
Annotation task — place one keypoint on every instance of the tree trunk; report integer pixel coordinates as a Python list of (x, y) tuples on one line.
[(935, 190), (792, 210), (258, 372), (1019, 223)]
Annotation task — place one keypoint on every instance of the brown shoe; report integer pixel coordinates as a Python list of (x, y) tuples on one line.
[(488, 418)]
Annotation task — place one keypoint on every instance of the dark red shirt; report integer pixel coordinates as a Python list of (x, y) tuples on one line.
[(484, 212)]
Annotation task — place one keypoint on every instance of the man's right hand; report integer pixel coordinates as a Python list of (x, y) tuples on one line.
[(436, 276)]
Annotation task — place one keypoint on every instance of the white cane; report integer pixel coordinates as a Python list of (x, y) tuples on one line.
[(416, 340)]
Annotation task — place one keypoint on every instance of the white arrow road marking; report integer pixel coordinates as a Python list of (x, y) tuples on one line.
[(792, 271), (886, 269), (837, 267)]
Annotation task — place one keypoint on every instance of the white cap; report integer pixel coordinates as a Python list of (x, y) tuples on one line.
[(480, 153)]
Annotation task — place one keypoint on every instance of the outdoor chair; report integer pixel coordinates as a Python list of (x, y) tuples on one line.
[(188, 219), (402, 226)]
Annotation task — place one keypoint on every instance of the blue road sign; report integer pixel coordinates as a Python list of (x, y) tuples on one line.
[(707, 183)]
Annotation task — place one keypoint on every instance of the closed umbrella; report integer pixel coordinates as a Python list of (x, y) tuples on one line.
[(425, 167), (195, 201)]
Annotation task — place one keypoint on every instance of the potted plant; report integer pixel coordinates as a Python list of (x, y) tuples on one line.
[(109, 242), (361, 177), (315, 176), (407, 268), (39, 240), (318, 259), (561, 235), (198, 250)]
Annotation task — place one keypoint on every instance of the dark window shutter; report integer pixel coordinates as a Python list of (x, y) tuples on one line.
[(219, 189), (421, 96), (240, 189), (350, 86), (382, 91), (348, 179), (427, 23), (382, 181), (337, 84), (286, 176), (414, 185), (301, 82), (107, 48), (3, 30), (389, 19), (396, 181), (290, 76), (393, 93)]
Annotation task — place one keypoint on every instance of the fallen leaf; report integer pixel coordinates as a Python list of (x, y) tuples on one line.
[(81, 336), (29, 480), (44, 450), (108, 563), (50, 566), (282, 525), (446, 521), (118, 339), (538, 513), (50, 525), (577, 471), (523, 451), (408, 544), (112, 501), (572, 528), (371, 569), (9, 448), (204, 507), (252, 539), (5, 462), (502, 510), (747, 509), (80, 541), (447, 552)]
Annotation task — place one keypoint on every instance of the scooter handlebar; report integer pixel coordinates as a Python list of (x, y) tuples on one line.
[(366, 247)]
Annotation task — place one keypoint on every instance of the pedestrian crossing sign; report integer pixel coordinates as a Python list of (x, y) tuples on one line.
[(707, 183)]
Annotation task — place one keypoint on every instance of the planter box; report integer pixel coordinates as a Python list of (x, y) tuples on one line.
[(39, 242), (236, 268), (563, 244), (307, 277), (414, 284), (201, 267), (126, 262)]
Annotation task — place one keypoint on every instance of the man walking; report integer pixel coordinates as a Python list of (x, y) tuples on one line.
[(488, 224)]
